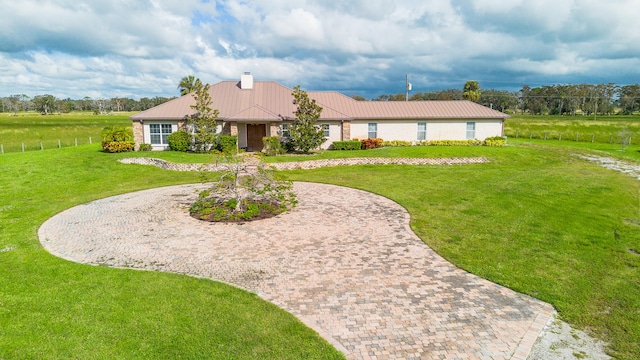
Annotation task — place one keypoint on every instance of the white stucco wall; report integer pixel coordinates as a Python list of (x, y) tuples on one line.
[(407, 130), (242, 136), (335, 133)]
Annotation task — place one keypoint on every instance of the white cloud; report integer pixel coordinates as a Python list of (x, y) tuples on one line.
[(142, 48)]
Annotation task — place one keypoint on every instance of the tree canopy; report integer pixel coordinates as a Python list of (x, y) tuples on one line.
[(188, 84), (471, 91)]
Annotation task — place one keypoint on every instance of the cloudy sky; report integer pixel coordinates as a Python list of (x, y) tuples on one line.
[(142, 48)]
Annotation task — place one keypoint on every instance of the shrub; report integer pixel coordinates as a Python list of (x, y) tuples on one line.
[(451, 143), (117, 139), (495, 141), (116, 133), (180, 141), (273, 146), (227, 144), (347, 145), (371, 143), (397, 143), (118, 146), (145, 147)]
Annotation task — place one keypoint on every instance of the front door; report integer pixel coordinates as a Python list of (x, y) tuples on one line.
[(255, 133)]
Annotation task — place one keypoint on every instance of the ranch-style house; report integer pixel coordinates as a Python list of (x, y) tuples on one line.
[(255, 109)]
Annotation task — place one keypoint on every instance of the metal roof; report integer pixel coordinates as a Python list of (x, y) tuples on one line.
[(271, 101)]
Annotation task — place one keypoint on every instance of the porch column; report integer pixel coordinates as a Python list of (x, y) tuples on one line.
[(346, 130), (138, 133), (273, 129)]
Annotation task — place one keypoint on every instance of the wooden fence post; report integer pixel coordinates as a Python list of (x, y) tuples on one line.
[(90, 142), (76, 141), (22, 147), (560, 137), (516, 134), (2, 148), (545, 136), (59, 144), (592, 137), (576, 136), (41, 147), (530, 135)]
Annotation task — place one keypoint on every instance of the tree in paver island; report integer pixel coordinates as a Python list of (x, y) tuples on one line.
[(304, 134)]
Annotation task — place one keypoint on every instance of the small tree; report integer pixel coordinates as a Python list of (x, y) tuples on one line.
[(625, 138), (203, 122), (304, 134), (243, 191)]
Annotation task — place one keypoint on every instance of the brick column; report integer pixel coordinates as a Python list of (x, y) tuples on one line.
[(138, 133), (346, 130), (273, 129)]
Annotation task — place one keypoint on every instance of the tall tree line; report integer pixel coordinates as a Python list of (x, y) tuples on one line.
[(585, 99), (48, 104)]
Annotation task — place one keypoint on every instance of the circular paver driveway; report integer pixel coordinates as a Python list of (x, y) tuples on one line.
[(344, 261)]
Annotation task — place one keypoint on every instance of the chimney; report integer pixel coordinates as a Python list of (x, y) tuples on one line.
[(246, 81)]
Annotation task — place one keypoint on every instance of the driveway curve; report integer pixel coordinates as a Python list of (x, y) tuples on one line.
[(344, 261)]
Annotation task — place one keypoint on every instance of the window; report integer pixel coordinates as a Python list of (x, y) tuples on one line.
[(284, 131), (325, 128), (471, 130), (159, 133), (372, 130), (422, 131)]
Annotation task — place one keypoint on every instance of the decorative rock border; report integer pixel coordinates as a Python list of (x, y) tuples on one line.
[(312, 164)]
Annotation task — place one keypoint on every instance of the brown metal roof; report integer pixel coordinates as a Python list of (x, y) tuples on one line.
[(270, 101)]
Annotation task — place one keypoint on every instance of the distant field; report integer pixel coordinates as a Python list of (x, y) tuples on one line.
[(32, 129), (603, 129)]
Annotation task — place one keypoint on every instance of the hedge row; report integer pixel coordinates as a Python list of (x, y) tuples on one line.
[(375, 143)]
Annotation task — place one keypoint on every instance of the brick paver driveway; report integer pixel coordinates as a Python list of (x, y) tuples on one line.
[(344, 261)]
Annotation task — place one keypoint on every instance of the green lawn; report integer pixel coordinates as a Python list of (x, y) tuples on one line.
[(51, 308), (604, 129), (69, 129)]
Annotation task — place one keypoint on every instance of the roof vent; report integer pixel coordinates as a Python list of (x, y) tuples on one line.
[(246, 81)]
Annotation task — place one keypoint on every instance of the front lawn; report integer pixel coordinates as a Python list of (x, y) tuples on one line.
[(55, 309)]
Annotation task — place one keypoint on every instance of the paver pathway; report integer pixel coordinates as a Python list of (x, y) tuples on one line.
[(344, 261)]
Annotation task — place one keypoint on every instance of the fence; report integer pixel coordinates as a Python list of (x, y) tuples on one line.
[(42, 145), (572, 136)]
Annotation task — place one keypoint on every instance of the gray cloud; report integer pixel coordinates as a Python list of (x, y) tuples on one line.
[(142, 48)]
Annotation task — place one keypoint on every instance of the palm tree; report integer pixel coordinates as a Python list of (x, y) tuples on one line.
[(188, 84)]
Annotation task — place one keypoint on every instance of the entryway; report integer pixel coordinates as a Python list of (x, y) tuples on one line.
[(255, 133)]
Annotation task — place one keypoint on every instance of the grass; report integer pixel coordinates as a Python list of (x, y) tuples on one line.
[(51, 308), (34, 129), (536, 219), (604, 129)]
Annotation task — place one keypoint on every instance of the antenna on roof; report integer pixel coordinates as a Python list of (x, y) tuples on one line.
[(407, 85)]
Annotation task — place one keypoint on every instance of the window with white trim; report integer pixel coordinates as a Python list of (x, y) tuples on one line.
[(372, 130), (422, 131), (284, 131), (471, 130), (158, 133), (325, 129)]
